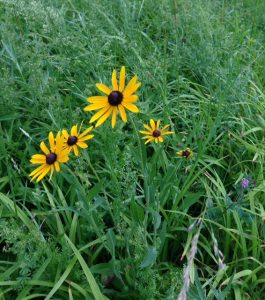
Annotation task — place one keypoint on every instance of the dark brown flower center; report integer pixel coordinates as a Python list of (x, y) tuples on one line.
[(156, 133), (115, 98), (72, 140), (186, 153), (51, 158)]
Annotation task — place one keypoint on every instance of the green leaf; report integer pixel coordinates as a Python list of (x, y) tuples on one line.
[(150, 258)]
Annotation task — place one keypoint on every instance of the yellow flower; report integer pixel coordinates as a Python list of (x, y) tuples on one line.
[(117, 98), (154, 133), (76, 139), (187, 153), (51, 159)]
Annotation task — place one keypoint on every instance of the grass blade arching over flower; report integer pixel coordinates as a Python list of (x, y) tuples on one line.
[(154, 133), (51, 159), (187, 153), (116, 99), (76, 140)]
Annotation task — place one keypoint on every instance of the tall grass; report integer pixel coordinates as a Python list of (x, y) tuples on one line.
[(120, 221)]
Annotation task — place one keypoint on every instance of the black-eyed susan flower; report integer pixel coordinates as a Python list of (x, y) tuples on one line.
[(76, 139), (51, 159), (116, 99), (187, 153), (154, 133)]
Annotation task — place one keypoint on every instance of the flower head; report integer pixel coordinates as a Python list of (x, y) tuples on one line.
[(245, 183), (116, 99), (76, 139), (51, 159), (187, 153), (154, 133)]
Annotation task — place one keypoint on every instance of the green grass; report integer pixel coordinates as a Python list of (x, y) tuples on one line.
[(118, 222)]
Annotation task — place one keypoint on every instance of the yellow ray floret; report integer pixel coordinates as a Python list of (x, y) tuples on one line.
[(75, 139), (154, 133), (116, 100), (187, 153), (51, 159)]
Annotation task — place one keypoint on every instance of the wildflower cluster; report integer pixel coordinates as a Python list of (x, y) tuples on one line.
[(117, 99)]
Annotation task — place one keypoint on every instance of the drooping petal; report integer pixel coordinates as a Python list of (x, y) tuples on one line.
[(97, 99), (122, 79), (103, 88), (52, 170), (160, 139), (51, 142), (44, 172), (165, 127), (123, 113), (146, 137), (156, 140), (99, 114), (37, 170), (57, 166), (38, 159), (44, 148), (114, 81), (95, 106), (76, 152), (114, 117), (104, 117), (131, 107), (148, 141)]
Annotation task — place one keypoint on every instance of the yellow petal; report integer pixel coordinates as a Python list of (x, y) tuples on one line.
[(85, 132), (76, 152), (51, 142), (95, 106), (37, 170), (63, 158), (52, 170), (44, 148), (103, 88), (165, 127), (153, 124), (74, 131), (156, 140), (123, 113), (96, 99), (132, 90), (160, 139), (122, 79), (114, 81), (167, 133), (130, 86), (131, 107), (157, 124), (99, 113), (114, 117), (145, 132), (65, 134), (82, 145), (85, 138), (44, 172), (104, 117), (131, 99), (148, 128), (146, 137), (57, 166), (38, 159), (148, 141), (59, 143)]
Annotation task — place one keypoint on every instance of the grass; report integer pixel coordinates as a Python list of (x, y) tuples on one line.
[(119, 222)]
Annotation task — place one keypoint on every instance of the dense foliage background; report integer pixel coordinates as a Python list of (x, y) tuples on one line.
[(122, 220)]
